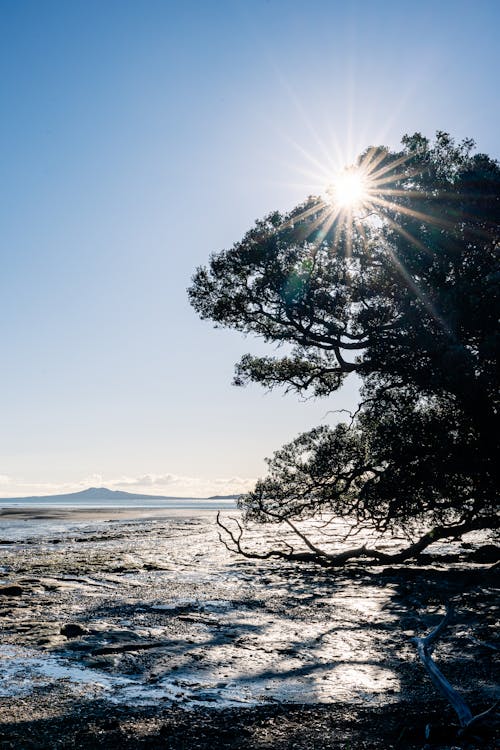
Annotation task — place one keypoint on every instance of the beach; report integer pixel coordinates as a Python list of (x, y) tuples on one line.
[(138, 627)]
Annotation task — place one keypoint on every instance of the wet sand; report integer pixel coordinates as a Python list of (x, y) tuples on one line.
[(137, 628), (31, 513)]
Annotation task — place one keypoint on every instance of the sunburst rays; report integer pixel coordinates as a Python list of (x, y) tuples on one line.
[(350, 188), (379, 189)]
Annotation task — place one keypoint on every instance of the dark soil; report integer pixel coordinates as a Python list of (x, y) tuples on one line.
[(334, 726)]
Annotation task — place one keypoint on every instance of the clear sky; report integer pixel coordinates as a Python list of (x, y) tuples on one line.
[(138, 137)]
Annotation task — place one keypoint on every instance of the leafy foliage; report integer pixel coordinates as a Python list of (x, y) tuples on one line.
[(406, 296)]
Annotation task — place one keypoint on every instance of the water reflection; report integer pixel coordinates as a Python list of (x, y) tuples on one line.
[(170, 614)]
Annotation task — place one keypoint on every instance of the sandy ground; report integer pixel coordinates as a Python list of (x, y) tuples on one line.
[(139, 627)]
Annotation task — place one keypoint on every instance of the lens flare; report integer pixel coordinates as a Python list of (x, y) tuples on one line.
[(362, 199), (349, 189)]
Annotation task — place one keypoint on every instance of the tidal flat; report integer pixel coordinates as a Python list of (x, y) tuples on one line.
[(140, 629)]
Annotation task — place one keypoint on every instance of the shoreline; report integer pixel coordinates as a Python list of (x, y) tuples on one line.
[(31, 513)]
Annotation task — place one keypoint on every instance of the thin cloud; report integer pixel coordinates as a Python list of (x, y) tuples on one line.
[(151, 483)]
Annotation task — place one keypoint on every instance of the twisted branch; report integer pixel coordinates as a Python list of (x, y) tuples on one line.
[(425, 647)]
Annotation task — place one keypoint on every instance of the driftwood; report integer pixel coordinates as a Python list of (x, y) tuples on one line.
[(425, 647)]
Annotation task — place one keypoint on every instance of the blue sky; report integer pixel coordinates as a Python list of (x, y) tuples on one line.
[(138, 137)]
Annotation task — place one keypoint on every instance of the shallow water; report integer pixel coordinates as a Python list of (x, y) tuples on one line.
[(185, 503)]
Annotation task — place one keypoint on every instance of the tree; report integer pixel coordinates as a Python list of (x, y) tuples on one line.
[(399, 284)]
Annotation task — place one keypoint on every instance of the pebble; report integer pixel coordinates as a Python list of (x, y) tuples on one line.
[(73, 630), (11, 590)]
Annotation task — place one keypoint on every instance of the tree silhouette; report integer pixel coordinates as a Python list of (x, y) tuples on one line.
[(400, 287)]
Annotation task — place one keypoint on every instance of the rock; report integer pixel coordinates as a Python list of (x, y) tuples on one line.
[(119, 648), (488, 553), (100, 662), (110, 724), (73, 630), (205, 697), (11, 590), (48, 641)]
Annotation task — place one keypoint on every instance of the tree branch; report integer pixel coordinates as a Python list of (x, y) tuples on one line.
[(425, 647), (332, 560)]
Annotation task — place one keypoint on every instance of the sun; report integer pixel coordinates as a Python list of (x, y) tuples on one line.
[(349, 189), (346, 203)]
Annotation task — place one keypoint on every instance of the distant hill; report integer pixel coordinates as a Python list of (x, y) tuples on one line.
[(102, 493)]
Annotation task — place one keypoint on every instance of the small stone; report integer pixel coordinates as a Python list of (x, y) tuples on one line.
[(73, 630), (11, 590), (488, 553), (110, 724)]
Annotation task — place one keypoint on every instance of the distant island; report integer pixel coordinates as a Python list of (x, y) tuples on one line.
[(105, 494)]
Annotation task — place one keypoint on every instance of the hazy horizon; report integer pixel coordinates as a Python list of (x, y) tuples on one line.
[(104, 492), (138, 138)]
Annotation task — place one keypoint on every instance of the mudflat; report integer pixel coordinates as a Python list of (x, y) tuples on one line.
[(33, 513), (137, 629)]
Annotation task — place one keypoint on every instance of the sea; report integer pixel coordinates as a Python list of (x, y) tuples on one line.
[(39, 517), (175, 503)]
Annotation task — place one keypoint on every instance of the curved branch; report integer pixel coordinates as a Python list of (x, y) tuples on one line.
[(331, 560), (425, 647), (237, 546)]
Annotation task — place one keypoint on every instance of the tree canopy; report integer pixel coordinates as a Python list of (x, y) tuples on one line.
[(401, 287)]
